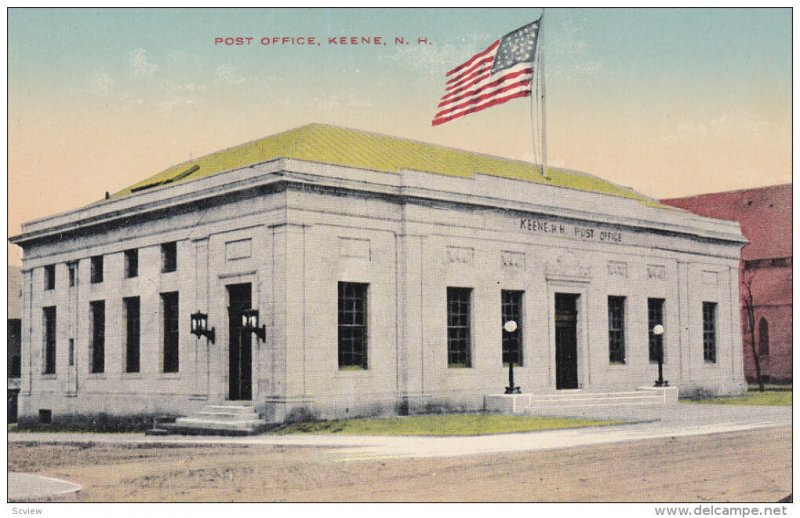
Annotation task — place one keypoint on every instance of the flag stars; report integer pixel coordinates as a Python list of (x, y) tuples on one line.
[(516, 47)]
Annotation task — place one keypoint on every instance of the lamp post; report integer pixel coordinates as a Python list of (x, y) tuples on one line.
[(509, 327), (200, 326), (250, 323), (658, 330)]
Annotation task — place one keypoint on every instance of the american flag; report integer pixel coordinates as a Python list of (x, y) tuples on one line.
[(498, 74)]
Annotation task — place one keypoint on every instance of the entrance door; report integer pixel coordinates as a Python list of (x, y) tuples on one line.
[(240, 349), (566, 341)]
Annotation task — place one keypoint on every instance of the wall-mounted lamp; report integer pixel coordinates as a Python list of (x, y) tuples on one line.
[(200, 326), (250, 323)]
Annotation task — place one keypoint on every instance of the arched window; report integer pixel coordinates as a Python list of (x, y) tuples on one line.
[(763, 337)]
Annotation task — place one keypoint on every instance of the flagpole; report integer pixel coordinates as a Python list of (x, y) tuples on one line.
[(543, 132), (534, 117)]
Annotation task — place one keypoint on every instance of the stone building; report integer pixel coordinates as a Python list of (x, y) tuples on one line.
[(382, 271), (13, 344), (765, 215)]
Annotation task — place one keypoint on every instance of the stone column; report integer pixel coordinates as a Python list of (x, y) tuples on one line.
[(279, 332), (410, 318), (684, 321), (201, 358), (737, 364), (26, 342), (295, 318)]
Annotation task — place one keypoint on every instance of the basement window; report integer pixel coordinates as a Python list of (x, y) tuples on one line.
[(45, 416)]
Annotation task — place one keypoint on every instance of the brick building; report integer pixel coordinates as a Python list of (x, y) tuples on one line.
[(765, 215)]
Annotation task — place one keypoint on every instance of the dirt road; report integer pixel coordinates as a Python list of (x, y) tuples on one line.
[(752, 466)]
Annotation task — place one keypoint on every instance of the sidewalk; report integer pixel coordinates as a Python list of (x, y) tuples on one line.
[(671, 421), (26, 487)]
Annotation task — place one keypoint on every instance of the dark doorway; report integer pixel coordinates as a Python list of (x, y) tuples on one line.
[(240, 346), (566, 341)]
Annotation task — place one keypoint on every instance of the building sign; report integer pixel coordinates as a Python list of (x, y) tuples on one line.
[(569, 230)]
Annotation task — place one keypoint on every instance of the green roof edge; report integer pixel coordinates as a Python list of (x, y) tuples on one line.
[(323, 143)]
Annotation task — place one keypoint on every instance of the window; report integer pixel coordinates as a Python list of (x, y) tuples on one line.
[(14, 331), (71, 358), (511, 309), (72, 269), (169, 311), (763, 337), (458, 327), (49, 340), (169, 257), (98, 321), (131, 263), (15, 366), (132, 333), (616, 329), (352, 325), (50, 277), (97, 269), (655, 316), (710, 332)]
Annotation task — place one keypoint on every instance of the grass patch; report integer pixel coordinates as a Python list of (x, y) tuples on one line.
[(439, 425), (779, 396), (776, 388)]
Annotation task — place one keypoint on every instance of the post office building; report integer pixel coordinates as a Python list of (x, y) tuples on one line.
[(332, 272)]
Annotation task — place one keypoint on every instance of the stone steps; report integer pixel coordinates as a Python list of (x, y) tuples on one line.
[(581, 394), (228, 419), (578, 401), (594, 400)]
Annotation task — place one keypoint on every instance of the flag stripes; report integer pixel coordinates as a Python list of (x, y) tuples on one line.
[(494, 102), (498, 74), (490, 49), (485, 94), (455, 96)]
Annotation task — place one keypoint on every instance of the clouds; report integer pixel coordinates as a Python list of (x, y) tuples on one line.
[(336, 102), (168, 81), (100, 81), (432, 62), (724, 126), (138, 82), (139, 64), (226, 74), (568, 49)]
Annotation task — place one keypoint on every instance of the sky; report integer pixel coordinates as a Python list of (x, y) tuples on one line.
[(671, 102)]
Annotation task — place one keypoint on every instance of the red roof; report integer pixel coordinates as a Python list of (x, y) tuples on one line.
[(765, 215)]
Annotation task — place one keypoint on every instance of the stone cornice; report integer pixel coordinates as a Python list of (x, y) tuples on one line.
[(483, 191)]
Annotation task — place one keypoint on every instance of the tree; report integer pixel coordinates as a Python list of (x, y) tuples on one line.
[(749, 309)]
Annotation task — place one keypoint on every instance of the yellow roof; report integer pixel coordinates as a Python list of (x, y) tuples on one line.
[(362, 150)]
